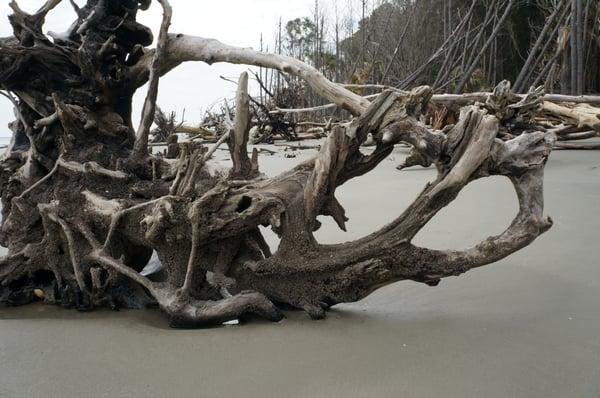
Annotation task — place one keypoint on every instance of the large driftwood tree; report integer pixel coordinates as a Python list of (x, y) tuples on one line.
[(84, 204)]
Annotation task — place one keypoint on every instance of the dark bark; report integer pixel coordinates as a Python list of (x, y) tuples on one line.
[(467, 74), (521, 80)]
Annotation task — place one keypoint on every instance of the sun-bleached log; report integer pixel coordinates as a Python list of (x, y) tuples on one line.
[(458, 99), (581, 115), (577, 146)]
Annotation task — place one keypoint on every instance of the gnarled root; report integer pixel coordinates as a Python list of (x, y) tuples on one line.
[(85, 205), (185, 311)]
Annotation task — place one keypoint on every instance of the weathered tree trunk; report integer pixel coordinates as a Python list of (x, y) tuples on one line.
[(85, 205)]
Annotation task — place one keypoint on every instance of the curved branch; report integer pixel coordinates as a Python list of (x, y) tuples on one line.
[(525, 228), (182, 48), (350, 271)]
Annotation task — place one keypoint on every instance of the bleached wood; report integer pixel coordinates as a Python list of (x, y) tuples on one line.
[(182, 48), (154, 67)]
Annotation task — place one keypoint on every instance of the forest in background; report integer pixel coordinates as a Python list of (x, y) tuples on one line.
[(455, 46)]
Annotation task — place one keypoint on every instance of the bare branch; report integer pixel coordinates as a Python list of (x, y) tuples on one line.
[(158, 59), (182, 48)]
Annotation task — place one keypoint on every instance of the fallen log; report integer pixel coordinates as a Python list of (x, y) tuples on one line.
[(577, 146), (581, 115), (460, 99)]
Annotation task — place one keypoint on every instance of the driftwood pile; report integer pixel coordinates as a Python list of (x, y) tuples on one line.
[(569, 117)]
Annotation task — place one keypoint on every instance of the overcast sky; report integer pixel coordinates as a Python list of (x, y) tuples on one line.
[(193, 86)]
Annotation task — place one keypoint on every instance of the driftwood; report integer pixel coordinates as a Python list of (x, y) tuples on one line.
[(581, 115), (85, 205), (166, 126), (577, 146), (570, 117), (199, 132), (463, 99)]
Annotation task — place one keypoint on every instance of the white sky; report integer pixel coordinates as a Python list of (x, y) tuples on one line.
[(193, 86)]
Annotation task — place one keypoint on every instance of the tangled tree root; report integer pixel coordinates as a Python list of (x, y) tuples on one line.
[(85, 205)]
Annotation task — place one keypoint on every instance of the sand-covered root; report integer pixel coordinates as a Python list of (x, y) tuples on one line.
[(85, 205)]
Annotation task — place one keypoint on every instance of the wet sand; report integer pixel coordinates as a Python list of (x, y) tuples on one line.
[(528, 326)]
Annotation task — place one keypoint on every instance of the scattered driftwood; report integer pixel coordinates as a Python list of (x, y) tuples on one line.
[(463, 99), (85, 205), (577, 114)]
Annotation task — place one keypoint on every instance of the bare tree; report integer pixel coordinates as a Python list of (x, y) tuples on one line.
[(488, 42)]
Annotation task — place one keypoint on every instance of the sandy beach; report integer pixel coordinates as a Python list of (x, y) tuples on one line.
[(528, 326)]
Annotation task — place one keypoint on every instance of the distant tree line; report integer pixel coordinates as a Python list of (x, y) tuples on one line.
[(452, 45)]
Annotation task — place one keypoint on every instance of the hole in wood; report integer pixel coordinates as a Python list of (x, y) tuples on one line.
[(244, 204)]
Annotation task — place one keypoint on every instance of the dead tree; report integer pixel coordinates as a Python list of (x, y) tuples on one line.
[(84, 204)]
